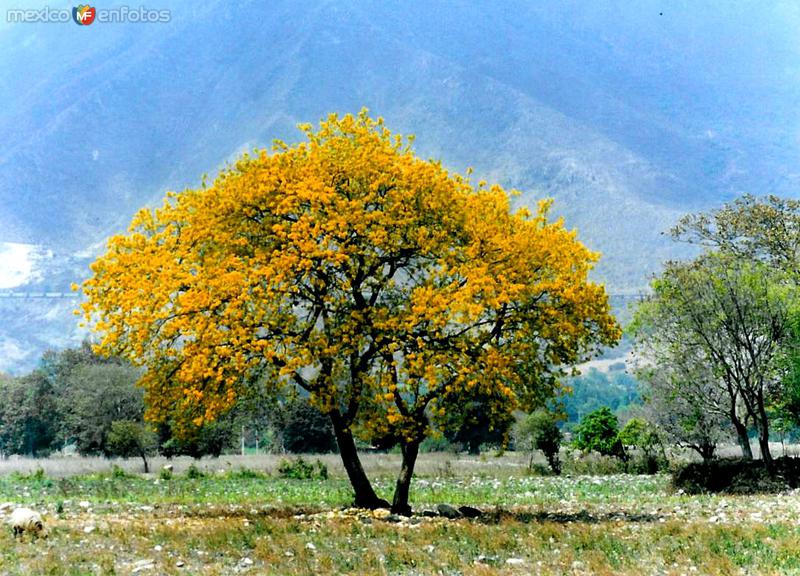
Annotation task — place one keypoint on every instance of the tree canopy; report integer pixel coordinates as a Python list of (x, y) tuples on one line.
[(380, 283)]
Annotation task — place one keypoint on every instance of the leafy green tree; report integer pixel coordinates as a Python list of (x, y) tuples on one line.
[(94, 396), (128, 439), (539, 431), (471, 424), (731, 316), (599, 432), (303, 428), (29, 415)]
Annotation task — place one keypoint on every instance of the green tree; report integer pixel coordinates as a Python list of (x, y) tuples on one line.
[(128, 439), (471, 424), (731, 316), (29, 415), (94, 396), (599, 432), (539, 431), (303, 428)]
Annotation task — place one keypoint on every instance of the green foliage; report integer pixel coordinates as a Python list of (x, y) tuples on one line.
[(128, 438), (300, 469), (28, 415), (593, 389), (304, 429), (599, 432), (165, 474), (194, 473), (539, 431), (471, 424)]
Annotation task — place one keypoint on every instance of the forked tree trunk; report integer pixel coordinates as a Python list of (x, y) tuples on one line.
[(400, 501), (365, 496)]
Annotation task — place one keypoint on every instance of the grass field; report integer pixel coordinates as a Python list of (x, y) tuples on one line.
[(233, 520)]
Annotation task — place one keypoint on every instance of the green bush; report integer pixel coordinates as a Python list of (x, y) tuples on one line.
[(194, 473), (299, 469)]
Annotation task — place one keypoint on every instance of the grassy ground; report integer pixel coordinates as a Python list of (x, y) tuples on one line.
[(231, 521)]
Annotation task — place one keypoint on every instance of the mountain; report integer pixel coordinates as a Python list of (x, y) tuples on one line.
[(628, 114)]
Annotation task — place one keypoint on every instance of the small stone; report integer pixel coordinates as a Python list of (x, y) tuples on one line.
[(310, 546), (515, 561), (142, 565), (381, 513), (429, 514), (393, 518), (246, 562), (158, 547), (84, 504), (89, 529), (289, 554), (180, 564)]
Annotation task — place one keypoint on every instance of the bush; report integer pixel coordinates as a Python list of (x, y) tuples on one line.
[(194, 473), (593, 465), (299, 469), (736, 476), (599, 432)]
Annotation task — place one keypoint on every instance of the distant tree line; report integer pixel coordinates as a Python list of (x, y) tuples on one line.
[(82, 402)]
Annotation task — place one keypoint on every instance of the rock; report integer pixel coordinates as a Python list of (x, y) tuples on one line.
[(89, 529), (158, 548), (429, 514), (393, 518), (515, 561), (142, 565), (310, 546), (84, 504), (470, 512), (180, 564), (447, 511), (381, 513)]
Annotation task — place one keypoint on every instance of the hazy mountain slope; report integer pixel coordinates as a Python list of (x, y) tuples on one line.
[(626, 114)]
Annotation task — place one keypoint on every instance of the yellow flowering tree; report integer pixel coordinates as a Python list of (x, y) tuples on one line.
[(381, 284)]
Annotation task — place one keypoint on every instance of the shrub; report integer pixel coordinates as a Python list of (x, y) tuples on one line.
[(165, 474), (193, 472), (299, 469), (737, 476)]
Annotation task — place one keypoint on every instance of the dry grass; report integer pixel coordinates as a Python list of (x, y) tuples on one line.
[(238, 522), (378, 465)]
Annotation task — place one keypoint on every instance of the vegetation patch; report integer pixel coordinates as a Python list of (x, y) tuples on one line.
[(737, 476)]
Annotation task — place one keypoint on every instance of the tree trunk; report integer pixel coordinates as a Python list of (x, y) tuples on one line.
[(742, 438), (763, 441), (400, 500), (365, 496), (146, 463)]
